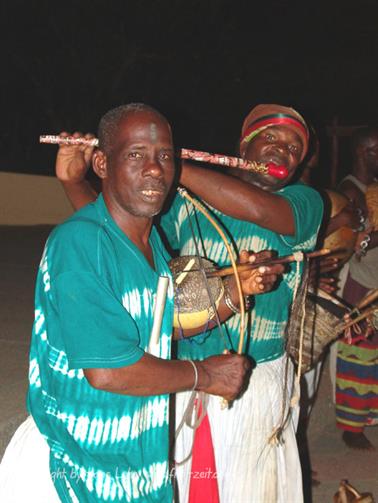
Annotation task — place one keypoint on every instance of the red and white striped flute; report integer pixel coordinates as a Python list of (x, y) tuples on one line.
[(193, 155)]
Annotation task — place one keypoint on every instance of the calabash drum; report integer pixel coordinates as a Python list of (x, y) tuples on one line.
[(371, 198), (193, 293), (321, 326), (344, 237)]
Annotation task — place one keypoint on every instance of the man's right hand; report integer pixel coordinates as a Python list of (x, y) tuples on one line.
[(224, 375), (73, 161)]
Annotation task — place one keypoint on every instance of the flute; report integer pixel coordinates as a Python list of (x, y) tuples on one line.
[(285, 259), (194, 155)]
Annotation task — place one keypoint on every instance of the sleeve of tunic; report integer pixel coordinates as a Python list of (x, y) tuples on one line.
[(96, 329), (307, 206)]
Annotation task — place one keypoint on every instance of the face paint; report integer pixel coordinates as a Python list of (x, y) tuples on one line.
[(153, 132)]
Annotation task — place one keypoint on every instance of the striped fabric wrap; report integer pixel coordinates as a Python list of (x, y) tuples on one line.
[(357, 386)]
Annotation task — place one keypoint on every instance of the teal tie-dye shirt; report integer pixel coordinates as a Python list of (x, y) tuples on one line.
[(94, 309), (268, 319)]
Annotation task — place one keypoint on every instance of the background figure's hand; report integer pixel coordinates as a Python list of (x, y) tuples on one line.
[(73, 161), (328, 285), (259, 280), (224, 375)]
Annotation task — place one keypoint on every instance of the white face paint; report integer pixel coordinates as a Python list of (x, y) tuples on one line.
[(153, 132)]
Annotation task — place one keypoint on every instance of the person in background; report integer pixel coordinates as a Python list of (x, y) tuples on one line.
[(357, 359)]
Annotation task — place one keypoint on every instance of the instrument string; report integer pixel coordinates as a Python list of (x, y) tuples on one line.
[(203, 271)]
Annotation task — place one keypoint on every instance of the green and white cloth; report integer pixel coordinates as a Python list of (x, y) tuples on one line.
[(94, 309), (248, 466), (269, 316)]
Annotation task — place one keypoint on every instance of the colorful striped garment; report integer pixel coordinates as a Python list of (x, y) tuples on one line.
[(357, 385), (94, 309)]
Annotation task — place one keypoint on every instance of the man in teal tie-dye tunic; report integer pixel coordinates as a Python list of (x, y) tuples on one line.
[(257, 212), (99, 386)]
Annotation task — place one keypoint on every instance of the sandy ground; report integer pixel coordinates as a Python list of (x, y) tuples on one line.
[(20, 251)]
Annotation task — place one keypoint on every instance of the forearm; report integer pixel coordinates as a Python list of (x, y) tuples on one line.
[(239, 199), (149, 376), (79, 193)]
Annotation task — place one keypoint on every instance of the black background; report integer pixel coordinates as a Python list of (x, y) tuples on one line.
[(203, 64)]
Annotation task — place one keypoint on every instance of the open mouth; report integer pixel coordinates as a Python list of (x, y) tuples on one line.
[(152, 194)]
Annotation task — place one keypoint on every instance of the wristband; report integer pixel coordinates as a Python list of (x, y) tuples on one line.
[(195, 375), (227, 298), (364, 244)]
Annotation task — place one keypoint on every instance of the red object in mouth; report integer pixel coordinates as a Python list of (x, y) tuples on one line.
[(280, 172)]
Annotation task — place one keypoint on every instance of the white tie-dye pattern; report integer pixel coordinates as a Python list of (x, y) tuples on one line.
[(123, 428), (153, 414), (98, 432), (34, 376), (252, 243), (114, 430), (45, 273), (309, 244), (81, 428), (99, 483), (71, 422), (132, 302), (264, 329), (147, 302), (129, 485), (291, 277), (165, 346), (106, 432), (39, 320), (59, 363)]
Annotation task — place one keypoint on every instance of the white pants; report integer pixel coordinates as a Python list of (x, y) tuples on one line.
[(24, 470), (249, 467)]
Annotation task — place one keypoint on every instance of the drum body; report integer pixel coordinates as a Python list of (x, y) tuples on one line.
[(323, 317), (195, 296), (371, 198), (344, 237)]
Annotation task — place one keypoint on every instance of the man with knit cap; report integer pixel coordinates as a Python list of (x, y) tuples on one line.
[(256, 456), (246, 452)]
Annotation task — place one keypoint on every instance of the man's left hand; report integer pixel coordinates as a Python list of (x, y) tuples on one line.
[(262, 279)]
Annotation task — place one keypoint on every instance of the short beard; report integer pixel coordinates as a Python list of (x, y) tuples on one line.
[(143, 214)]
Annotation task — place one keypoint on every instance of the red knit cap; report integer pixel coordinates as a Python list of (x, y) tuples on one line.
[(264, 116)]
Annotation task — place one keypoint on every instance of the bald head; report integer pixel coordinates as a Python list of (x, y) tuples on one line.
[(109, 123)]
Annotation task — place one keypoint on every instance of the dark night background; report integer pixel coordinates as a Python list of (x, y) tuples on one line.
[(204, 64)]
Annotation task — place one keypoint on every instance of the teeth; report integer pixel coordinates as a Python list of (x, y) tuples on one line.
[(150, 192)]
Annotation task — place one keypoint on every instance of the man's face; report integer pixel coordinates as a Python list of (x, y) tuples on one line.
[(277, 144), (140, 165), (371, 155)]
